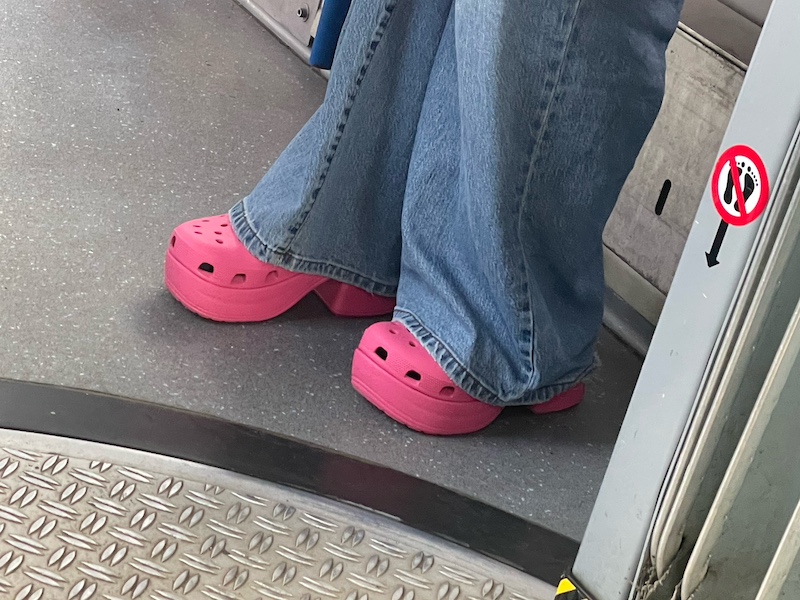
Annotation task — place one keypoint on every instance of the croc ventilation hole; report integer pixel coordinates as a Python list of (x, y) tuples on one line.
[(412, 344), (172, 241), (223, 224), (271, 276), (239, 278), (382, 353), (414, 375), (447, 391), (206, 267)]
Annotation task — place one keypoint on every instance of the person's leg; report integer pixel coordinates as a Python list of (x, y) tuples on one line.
[(331, 203), (528, 131)]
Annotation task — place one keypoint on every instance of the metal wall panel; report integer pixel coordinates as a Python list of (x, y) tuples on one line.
[(292, 21), (754, 10), (733, 26), (700, 94)]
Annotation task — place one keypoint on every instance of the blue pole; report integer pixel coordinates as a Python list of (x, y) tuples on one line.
[(330, 26)]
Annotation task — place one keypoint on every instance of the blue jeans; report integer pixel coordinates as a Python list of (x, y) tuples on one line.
[(466, 158)]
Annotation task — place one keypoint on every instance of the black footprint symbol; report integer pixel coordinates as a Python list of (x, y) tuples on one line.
[(747, 190)]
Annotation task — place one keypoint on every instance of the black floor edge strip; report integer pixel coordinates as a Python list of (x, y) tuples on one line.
[(422, 505)]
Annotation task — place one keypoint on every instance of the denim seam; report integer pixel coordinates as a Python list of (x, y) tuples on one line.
[(469, 381), (248, 235), (377, 36), (530, 342)]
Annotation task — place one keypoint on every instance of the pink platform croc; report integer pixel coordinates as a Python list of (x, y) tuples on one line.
[(211, 273), (397, 375)]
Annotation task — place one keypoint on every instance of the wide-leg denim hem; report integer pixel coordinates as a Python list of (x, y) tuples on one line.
[(470, 382), (290, 261)]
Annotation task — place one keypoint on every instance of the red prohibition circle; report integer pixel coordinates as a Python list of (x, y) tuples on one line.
[(728, 158)]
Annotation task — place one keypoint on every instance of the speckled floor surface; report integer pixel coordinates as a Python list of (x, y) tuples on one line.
[(120, 119)]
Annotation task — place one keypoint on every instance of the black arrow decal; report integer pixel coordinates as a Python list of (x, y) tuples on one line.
[(711, 257)]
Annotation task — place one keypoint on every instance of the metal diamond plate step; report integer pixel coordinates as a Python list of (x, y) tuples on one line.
[(82, 520)]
